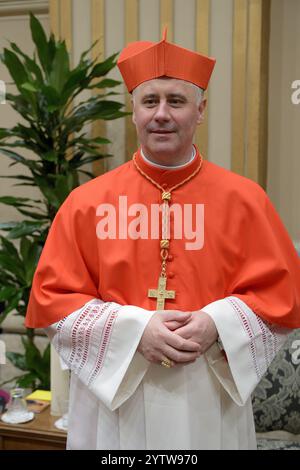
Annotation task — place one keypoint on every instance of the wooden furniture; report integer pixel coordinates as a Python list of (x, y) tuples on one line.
[(38, 434)]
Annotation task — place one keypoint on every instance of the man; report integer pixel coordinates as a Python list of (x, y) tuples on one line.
[(168, 284)]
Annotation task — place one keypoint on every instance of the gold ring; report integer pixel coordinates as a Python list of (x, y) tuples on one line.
[(166, 363)]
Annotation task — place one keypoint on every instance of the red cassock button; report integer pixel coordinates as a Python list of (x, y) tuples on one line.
[(170, 258), (164, 185), (171, 275)]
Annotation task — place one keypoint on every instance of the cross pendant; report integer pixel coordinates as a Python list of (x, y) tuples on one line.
[(161, 294)]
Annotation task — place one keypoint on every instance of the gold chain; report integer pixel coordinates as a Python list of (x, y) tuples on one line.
[(161, 293), (173, 187)]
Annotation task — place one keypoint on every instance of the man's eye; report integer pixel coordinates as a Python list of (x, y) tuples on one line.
[(149, 102), (175, 102)]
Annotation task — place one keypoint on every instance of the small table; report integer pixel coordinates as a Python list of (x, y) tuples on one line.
[(38, 434)]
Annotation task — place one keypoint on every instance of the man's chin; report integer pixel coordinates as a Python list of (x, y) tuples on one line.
[(163, 148)]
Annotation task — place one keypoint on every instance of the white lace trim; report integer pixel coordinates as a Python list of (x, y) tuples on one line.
[(83, 338), (265, 339)]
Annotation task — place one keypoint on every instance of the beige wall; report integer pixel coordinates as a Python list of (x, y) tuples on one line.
[(284, 116), (283, 161), (219, 100)]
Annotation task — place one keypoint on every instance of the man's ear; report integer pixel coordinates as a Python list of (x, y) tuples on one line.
[(201, 110), (133, 113), (133, 117)]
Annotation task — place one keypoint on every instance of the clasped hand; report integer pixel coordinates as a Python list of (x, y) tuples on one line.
[(179, 336)]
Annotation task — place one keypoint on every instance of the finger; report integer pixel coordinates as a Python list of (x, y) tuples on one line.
[(185, 331), (179, 357), (173, 325), (174, 315), (181, 344)]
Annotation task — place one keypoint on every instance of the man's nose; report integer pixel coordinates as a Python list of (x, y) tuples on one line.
[(162, 112)]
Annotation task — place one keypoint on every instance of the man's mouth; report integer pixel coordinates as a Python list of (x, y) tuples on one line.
[(161, 131)]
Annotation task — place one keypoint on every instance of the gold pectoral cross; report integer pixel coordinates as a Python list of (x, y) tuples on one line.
[(161, 293)]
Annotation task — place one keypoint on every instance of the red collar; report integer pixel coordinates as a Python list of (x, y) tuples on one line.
[(165, 177)]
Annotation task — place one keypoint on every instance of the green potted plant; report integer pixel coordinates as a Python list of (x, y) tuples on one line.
[(51, 127)]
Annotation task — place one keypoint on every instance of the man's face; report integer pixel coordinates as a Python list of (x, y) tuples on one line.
[(166, 112)]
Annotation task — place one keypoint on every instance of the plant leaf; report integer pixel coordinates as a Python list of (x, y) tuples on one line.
[(6, 292), (15, 68), (87, 173), (29, 87), (33, 165), (27, 227), (32, 354), (12, 264), (4, 133), (27, 380), (40, 41), (60, 67), (17, 359), (16, 201), (33, 215), (31, 65), (35, 361), (10, 249), (46, 356), (106, 83), (11, 305), (52, 96), (30, 252), (104, 67), (18, 177), (8, 225)]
